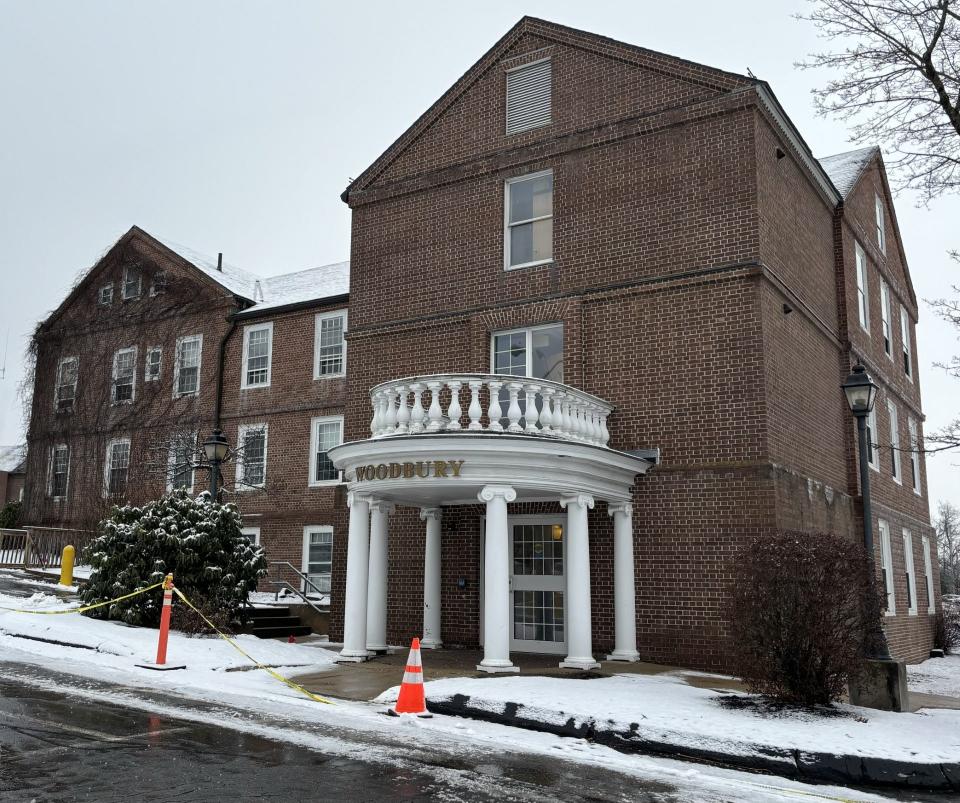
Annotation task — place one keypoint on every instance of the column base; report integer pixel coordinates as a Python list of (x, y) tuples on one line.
[(630, 656), (352, 657), (431, 645), (495, 667), (579, 663), (377, 649)]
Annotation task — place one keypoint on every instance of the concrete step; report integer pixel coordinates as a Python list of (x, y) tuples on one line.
[(268, 613), (282, 631)]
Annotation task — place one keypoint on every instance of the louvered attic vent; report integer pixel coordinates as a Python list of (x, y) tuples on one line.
[(529, 90)]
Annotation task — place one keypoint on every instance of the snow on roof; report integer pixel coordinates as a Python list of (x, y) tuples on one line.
[(267, 292), (11, 457), (845, 168)]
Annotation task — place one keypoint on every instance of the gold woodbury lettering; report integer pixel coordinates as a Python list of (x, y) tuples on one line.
[(422, 469)]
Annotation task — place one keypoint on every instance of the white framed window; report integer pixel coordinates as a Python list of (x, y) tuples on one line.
[(152, 363), (863, 292), (317, 559), (528, 220), (58, 473), (914, 454), (529, 96), (909, 574), (132, 280), (534, 351), (186, 365), (894, 442), (180, 462), (881, 227), (886, 567), (928, 576), (116, 467), (124, 375), (873, 453), (65, 394), (105, 296), (257, 355), (158, 283), (252, 459), (330, 346), (325, 433), (906, 344), (253, 533), (885, 319)]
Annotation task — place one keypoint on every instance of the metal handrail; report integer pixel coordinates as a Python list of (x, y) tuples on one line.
[(298, 592), (296, 571)]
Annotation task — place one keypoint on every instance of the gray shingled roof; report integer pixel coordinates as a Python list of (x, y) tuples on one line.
[(844, 169)]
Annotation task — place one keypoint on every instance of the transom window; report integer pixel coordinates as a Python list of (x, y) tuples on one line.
[(528, 217), (317, 559), (186, 379), (116, 468), (59, 470), (330, 347), (132, 281), (252, 460), (257, 355), (65, 394), (181, 462), (327, 432), (124, 375), (151, 366), (863, 298)]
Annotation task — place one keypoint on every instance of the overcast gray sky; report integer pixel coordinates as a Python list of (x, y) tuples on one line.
[(234, 126)]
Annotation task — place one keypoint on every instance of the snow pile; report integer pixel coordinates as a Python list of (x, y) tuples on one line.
[(665, 708), (936, 676)]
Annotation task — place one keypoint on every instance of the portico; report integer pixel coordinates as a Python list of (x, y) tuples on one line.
[(438, 461)]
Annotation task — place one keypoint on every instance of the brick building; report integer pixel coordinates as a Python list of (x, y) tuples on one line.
[(601, 301)]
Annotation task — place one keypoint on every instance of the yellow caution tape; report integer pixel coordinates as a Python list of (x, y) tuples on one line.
[(85, 607), (239, 649)]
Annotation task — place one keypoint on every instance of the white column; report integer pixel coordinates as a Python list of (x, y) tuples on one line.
[(579, 633), (377, 578), (496, 580), (431, 579), (355, 600), (624, 590)]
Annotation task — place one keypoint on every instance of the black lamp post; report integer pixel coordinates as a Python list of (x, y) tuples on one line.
[(216, 449), (861, 394)]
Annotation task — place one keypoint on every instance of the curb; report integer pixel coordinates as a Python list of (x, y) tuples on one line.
[(796, 764)]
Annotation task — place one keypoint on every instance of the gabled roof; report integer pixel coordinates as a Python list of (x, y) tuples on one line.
[(650, 59), (302, 287), (238, 281), (846, 168)]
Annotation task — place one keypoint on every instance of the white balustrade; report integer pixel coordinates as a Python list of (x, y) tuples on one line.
[(537, 408)]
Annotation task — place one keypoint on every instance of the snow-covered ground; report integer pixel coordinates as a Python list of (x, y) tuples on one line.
[(936, 676), (668, 709), (254, 702)]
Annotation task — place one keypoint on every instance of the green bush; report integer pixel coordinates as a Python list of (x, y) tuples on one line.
[(10, 515), (198, 540)]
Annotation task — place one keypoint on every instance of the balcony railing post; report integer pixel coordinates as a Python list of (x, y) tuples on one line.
[(435, 413), (376, 423), (417, 413), (530, 413), (494, 413), (403, 412), (475, 411), (453, 410), (514, 413), (546, 416)]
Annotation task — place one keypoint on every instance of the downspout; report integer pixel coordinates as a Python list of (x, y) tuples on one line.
[(218, 401)]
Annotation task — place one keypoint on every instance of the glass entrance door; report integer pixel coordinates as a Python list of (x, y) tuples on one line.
[(537, 585)]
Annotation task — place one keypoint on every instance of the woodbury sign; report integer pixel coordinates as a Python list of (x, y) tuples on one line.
[(420, 469)]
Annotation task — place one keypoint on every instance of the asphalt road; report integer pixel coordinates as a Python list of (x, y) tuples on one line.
[(56, 747)]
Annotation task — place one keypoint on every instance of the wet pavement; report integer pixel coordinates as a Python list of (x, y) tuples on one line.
[(55, 746)]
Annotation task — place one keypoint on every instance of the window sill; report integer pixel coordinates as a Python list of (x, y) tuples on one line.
[(192, 394), (874, 467), (325, 484), (248, 489), (255, 387), (121, 403), (912, 613), (529, 264), (328, 376), (890, 614)]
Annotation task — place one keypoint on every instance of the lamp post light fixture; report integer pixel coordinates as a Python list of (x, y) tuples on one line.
[(216, 449), (861, 393)]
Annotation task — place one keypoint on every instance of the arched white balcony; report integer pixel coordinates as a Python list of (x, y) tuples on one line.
[(488, 403)]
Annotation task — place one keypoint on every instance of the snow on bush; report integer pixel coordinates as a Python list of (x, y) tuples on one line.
[(214, 564), (802, 608)]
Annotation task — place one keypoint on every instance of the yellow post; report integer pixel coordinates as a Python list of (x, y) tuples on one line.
[(66, 565)]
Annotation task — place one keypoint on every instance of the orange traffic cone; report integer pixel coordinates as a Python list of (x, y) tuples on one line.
[(411, 699)]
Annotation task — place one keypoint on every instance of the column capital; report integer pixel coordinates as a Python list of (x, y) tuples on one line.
[(490, 492), (581, 500), (435, 513), (381, 506), (625, 508), (357, 498)]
